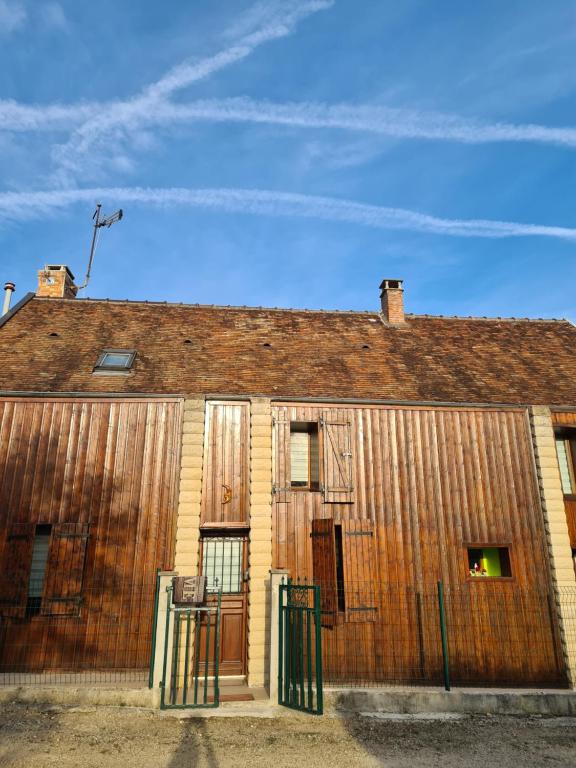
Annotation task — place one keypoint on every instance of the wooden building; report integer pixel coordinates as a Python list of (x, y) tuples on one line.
[(375, 453)]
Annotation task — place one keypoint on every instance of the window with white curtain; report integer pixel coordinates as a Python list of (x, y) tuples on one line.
[(565, 451), (304, 455)]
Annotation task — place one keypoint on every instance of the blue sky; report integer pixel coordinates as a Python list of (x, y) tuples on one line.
[(294, 152)]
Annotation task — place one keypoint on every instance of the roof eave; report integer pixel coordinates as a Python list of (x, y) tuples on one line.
[(18, 306)]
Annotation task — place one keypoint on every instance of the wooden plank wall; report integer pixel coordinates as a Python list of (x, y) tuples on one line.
[(432, 482), (111, 466), (226, 474)]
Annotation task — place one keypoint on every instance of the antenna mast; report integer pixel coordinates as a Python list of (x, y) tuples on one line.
[(105, 221)]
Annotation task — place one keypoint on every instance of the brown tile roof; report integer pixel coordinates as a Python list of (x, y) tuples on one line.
[(287, 353)]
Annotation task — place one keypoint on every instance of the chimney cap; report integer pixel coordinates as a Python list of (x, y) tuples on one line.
[(59, 268), (9, 286), (388, 284)]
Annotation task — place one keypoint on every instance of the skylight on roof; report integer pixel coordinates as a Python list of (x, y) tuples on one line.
[(118, 360)]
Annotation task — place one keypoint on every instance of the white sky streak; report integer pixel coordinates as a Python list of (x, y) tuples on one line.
[(121, 117), (361, 118), (17, 206)]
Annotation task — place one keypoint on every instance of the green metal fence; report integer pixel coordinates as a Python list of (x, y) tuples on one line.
[(154, 630), (300, 648), (190, 672), (481, 633)]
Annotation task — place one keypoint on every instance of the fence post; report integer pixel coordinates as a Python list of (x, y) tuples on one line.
[(217, 651), (442, 612), (276, 637), (318, 654), (159, 638), (154, 629)]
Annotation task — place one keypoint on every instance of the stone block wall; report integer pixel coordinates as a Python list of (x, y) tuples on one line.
[(191, 463), (560, 553), (260, 543)]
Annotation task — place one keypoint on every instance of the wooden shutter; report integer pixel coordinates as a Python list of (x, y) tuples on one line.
[(570, 508), (324, 568), (15, 569), (359, 554), (281, 445), (337, 454), (65, 570)]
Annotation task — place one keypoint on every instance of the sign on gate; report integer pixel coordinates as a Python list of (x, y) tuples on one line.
[(300, 648), (190, 669), (188, 590)]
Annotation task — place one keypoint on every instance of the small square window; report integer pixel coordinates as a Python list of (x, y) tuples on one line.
[(115, 360), (304, 455), (491, 562)]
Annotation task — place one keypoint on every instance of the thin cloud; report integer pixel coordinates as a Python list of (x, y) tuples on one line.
[(121, 117), (384, 121), (52, 117), (18, 206), (280, 24), (379, 120), (53, 16), (13, 16)]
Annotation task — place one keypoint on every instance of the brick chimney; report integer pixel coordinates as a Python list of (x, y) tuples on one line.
[(56, 282), (392, 298)]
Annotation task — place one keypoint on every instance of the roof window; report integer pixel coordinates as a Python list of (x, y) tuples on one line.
[(115, 360)]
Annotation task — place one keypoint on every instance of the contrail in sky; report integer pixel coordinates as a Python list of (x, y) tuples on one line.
[(124, 116), (16, 206), (362, 118)]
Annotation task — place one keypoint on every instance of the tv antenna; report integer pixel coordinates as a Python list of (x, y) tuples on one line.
[(105, 221)]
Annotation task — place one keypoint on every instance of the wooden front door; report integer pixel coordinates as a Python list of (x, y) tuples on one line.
[(224, 563)]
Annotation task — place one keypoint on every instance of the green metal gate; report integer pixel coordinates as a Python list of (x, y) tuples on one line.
[(190, 672), (300, 648)]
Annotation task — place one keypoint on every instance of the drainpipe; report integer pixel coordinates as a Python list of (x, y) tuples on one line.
[(8, 291)]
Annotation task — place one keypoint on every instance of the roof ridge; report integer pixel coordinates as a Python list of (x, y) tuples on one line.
[(244, 307), (427, 316)]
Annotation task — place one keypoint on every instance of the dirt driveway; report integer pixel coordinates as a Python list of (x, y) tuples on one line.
[(36, 737)]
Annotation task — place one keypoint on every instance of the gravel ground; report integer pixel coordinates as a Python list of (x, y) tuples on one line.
[(36, 737)]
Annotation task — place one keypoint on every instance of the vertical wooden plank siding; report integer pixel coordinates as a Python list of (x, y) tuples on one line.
[(428, 484), (226, 485), (103, 474)]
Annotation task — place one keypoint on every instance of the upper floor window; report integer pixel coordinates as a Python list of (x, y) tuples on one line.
[(117, 360), (566, 451), (304, 455)]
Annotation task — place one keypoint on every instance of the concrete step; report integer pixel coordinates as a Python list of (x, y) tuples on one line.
[(475, 701)]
